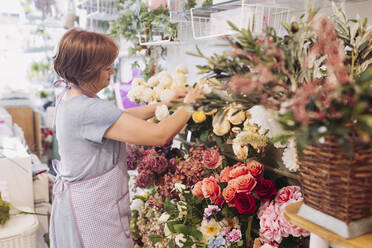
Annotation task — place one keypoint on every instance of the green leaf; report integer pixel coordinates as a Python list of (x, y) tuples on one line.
[(196, 233), (181, 228), (204, 136), (155, 238)]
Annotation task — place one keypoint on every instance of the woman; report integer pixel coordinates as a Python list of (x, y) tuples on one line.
[(91, 200)]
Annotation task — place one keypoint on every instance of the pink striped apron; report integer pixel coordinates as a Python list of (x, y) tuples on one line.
[(100, 205)]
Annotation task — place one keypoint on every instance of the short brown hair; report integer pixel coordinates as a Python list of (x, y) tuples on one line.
[(81, 55)]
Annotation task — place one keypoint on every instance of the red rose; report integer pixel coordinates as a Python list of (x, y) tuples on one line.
[(245, 203), (255, 168), (265, 189), (212, 159)]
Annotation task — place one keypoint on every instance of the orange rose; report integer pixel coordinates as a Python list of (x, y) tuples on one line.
[(255, 168), (210, 187), (225, 174), (197, 191), (229, 193), (238, 171), (244, 183)]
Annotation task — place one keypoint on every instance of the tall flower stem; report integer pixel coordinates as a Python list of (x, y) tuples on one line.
[(248, 231)]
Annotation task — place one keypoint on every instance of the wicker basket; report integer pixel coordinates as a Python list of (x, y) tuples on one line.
[(335, 183)]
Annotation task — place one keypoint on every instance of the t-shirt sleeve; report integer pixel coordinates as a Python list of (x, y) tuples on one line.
[(98, 116)]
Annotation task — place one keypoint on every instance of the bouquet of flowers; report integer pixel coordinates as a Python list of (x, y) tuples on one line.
[(159, 88), (315, 77)]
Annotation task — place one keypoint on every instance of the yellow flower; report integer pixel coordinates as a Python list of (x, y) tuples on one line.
[(199, 116), (210, 229)]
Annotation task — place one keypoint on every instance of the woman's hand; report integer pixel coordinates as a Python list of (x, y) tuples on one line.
[(193, 95), (179, 96)]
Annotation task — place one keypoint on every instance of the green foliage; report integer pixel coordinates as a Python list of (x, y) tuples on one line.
[(4, 211), (207, 2)]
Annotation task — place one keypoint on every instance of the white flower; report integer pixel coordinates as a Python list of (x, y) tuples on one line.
[(157, 92), (147, 95), (207, 89), (179, 187), (241, 152), (136, 93), (136, 204), (254, 139), (161, 112), (165, 81), (167, 232), (181, 69), (137, 82), (221, 129), (289, 156), (179, 81), (322, 129), (236, 118), (153, 81), (321, 140), (166, 95), (180, 240), (210, 229), (266, 120), (164, 74), (164, 217)]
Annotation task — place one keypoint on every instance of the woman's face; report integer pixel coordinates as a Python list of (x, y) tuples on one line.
[(104, 76)]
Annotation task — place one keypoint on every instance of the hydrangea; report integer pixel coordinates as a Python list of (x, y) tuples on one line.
[(218, 242)]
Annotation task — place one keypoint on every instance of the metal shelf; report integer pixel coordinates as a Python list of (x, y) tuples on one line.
[(104, 10), (211, 21)]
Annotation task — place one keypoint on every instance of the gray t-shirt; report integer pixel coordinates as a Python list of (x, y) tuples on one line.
[(81, 123)]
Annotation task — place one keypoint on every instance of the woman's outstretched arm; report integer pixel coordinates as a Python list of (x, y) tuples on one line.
[(147, 112), (134, 130)]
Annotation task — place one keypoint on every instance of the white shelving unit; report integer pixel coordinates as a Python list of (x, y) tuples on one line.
[(211, 21), (104, 10), (155, 38)]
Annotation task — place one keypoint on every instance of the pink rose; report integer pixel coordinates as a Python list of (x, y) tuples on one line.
[(212, 159), (245, 203), (229, 193), (197, 191), (245, 183), (210, 187), (255, 168), (239, 170), (225, 174), (265, 189)]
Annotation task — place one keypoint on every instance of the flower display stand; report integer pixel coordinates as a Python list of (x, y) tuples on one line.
[(291, 214)]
